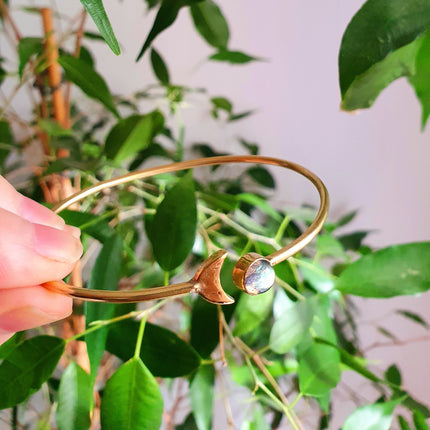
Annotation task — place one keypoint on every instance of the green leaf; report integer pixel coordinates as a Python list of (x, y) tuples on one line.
[(372, 417), (96, 226), (173, 228), (366, 87), (241, 115), (52, 128), (27, 367), (131, 399), (316, 275), (163, 352), (347, 218), (188, 424), (88, 80), (353, 241), (387, 334), (210, 23), (7, 347), (403, 424), (131, 135), (233, 57), (93, 36), (3, 72), (85, 55), (202, 396), (221, 103), (27, 47), (329, 245), (251, 311), (414, 317), (249, 146), (420, 80), (219, 201), (393, 271), (354, 363), (166, 16), (319, 365), (262, 176), (378, 29), (258, 420), (104, 276), (260, 203), (414, 405), (291, 327), (204, 327), (420, 421), (159, 67), (393, 375), (6, 141), (97, 12), (75, 398)]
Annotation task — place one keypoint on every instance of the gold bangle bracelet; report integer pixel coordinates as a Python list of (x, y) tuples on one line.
[(253, 273)]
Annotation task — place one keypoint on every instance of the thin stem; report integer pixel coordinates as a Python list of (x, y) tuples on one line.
[(289, 288), (226, 403), (311, 266), (14, 418), (242, 230), (9, 100), (281, 230), (284, 408), (249, 354), (221, 336), (294, 402), (96, 325), (140, 338), (141, 193), (4, 12), (291, 262)]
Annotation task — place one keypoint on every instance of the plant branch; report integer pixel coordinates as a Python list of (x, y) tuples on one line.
[(249, 354), (221, 335), (54, 72), (4, 12), (140, 338)]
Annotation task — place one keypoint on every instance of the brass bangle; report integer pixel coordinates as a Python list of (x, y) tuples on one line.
[(253, 273)]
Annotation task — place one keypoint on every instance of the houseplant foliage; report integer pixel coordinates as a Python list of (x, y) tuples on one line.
[(167, 362)]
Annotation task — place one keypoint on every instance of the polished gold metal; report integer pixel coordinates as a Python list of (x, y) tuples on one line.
[(206, 281)]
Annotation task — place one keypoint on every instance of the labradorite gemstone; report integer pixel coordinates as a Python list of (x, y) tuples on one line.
[(259, 277)]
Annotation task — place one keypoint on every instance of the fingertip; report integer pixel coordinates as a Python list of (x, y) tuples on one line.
[(39, 214), (57, 245), (29, 307)]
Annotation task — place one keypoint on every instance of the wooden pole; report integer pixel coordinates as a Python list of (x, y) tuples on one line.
[(54, 73)]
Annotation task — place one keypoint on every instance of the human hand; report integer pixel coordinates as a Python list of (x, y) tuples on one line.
[(35, 246)]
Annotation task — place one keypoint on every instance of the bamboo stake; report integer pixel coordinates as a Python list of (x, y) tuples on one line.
[(54, 73)]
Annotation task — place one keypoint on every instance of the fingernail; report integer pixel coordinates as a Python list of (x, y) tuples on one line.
[(39, 214), (74, 231), (25, 317), (58, 245)]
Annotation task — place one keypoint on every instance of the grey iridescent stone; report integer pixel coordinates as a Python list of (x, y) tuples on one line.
[(259, 277)]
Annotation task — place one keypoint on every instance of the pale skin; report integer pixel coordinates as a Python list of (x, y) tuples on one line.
[(36, 246)]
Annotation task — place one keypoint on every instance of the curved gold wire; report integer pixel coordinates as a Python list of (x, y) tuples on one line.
[(250, 272)]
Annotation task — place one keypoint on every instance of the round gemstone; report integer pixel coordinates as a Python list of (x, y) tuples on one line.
[(259, 277)]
